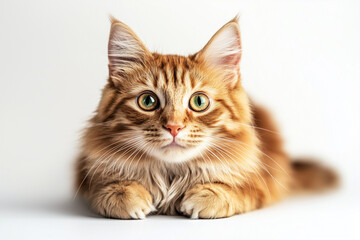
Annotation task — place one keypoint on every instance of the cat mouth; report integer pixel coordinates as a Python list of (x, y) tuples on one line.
[(173, 145)]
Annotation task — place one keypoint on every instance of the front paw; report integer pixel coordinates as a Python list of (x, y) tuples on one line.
[(208, 201), (123, 200)]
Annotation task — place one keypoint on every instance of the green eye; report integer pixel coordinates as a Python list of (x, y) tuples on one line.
[(199, 102), (148, 101)]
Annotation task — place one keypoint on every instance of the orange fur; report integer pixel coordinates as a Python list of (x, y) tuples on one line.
[(226, 160)]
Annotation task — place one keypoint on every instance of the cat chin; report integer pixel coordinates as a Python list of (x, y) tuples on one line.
[(175, 154)]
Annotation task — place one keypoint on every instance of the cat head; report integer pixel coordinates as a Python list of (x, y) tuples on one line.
[(168, 107)]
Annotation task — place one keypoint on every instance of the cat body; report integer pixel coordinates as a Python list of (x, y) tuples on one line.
[(178, 135)]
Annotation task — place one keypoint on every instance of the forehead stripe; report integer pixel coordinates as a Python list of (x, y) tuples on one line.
[(192, 81), (166, 78), (155, 79), (175, 75), (182, 76)]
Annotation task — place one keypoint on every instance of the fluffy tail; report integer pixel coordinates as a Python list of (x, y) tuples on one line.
[(312, 176)]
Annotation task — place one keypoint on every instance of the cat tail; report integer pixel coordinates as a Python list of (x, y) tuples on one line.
[(311, 176)]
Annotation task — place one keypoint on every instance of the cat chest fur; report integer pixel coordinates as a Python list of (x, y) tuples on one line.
[(167, 183)]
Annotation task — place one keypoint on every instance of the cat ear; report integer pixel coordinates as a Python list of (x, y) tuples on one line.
[(223, 52), (125, 50)]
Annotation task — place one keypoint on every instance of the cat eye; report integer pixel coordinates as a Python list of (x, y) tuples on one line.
[(148, 101), (199, 102)]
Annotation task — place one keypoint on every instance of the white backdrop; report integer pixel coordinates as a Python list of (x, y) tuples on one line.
[(300, 59)]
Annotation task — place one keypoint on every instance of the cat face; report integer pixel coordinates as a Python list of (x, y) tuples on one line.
[(170, 107)]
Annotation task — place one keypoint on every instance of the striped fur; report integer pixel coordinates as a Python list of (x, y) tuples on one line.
[(230, 162)]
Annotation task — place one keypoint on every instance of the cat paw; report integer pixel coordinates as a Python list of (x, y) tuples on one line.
[(125, 200), (207, 201)]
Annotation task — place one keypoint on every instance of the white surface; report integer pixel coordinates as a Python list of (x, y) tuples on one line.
[(301, 58), (304, 218)]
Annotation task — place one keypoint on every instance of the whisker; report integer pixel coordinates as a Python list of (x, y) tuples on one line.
[(260, 128), (256, 149), (127, 147), (105, 160), (260, 164), (128, 144), (94, 164)]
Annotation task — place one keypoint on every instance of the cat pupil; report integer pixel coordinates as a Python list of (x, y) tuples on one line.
[(149, 101), (199, 101)]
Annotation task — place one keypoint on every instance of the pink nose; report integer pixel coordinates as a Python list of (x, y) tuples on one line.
[(174, 129)]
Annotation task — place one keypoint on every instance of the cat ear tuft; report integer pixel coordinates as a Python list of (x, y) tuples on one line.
[(223, 52), (126, 51)]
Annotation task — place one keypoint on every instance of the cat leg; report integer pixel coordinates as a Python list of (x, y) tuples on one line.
[(123, 200), (216, 200)]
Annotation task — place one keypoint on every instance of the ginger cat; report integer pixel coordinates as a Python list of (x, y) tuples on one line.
[(178, 135)]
